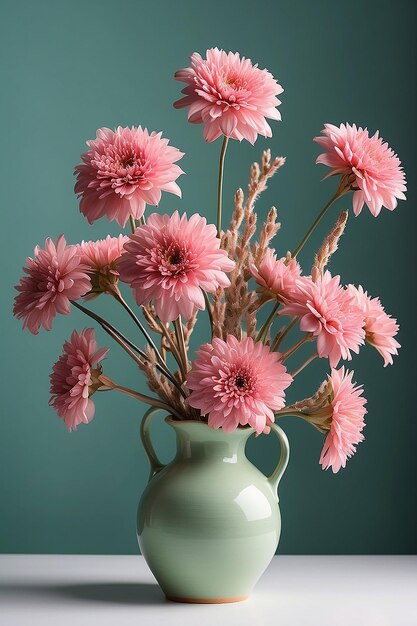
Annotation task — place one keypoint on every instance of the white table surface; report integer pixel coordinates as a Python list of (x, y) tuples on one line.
[(295, 590)]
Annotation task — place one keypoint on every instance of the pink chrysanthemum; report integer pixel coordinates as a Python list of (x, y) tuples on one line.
[(330, 313), (237, 383), (100, 257), (171, 261), (229, 95), (380, 328), (55, 276), (347, 423), (123, 171), (277, 278), (377, 174), (75, 377)]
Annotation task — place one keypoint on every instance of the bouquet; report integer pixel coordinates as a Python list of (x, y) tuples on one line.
[(181, 270)]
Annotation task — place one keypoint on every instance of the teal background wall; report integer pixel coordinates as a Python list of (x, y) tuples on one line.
[(71, 67)]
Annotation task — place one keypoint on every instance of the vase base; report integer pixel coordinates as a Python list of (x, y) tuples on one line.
[(207, 600)]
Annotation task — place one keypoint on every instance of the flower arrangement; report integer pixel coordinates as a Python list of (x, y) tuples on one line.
[(178, 265)]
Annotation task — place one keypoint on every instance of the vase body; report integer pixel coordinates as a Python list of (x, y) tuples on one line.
[(209, 522)]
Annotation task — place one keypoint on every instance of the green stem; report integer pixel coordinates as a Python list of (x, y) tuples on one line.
[(288, 353), (262, 334), (109, 327), (220, 186), (303, 365), (288, 411), (280, 336), (118, 296), (341, 191), (127, 345)]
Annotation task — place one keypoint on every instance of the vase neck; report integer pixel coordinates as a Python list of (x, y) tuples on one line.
[(198, 441)]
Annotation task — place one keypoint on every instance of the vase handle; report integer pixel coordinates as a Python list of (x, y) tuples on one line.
[(276, 475), (145, 437)]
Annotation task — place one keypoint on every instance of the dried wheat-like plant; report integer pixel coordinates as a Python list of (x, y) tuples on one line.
[(234, 308), (329, 246)]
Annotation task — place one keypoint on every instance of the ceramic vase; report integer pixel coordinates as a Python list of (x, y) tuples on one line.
[(208, 522)]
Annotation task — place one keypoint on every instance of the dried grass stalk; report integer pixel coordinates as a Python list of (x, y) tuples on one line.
[(189, 327), (218, 312), (237, 304), (329, 246), (151, 318), (267, 233)]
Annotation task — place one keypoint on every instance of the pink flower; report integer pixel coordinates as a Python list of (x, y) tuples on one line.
[(380, 328), (330, 313), (74, 378), (100, 257), (54, 277), (229, 95), (237, 383), (102, 253), (347, 423), (171, 261), (377, 174), (123, 171), (276, 277)]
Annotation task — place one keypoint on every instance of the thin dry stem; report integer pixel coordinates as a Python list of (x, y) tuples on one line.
[(111, 385)]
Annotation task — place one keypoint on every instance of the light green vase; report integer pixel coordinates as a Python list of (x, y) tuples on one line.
[(209, 522)]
